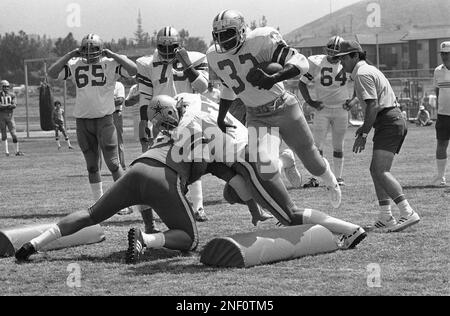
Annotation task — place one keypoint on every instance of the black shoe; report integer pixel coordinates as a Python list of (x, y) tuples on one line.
[(24, 253), (19, 153), (136, 246), (312, 183), (200, 215)]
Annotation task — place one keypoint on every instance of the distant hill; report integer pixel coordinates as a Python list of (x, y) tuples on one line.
[(396, 16)]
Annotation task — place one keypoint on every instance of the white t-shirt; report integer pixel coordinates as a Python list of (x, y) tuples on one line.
[(442, 82)]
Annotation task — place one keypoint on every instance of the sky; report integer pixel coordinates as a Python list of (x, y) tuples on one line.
[(114, 19)]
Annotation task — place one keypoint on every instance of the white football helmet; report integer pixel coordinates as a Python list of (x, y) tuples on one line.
[(229, 31), (91, 48), (168, 41), (333, 45), (165, 112), (5, 85)]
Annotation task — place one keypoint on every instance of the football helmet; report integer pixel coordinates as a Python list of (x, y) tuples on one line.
[(91, 48), (168, 41), (333, 45), (165, 112), (5, 85), (229, 31)]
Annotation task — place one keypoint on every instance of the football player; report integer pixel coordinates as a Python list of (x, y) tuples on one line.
[(58, 120), (334, 92), (271, 110), (169, 71), (94, 71), (7, 106), (161, 171)]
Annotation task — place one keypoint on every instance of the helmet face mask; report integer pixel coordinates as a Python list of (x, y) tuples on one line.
[(167, 42), (229, 31), (91, 49)]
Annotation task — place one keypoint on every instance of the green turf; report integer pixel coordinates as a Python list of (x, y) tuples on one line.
[(47, 184)]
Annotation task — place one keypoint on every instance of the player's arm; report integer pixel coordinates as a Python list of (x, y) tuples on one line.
[(224, 106), (13, 104), (307, 96), (437, 98), (122, 60), (196, 71), (59, 65), (132, 97)]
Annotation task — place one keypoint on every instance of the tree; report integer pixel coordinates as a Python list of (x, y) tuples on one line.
[(142, 38), (65, 45), (262, 23), (192, 43)]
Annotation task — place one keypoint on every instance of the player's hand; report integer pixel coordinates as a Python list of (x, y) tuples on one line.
[(347, 105), (182, 56), (359, 144), (224, 126), (108, 53), (258, 78), (318, 105)]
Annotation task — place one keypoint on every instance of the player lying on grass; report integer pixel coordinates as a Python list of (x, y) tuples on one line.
[(160, 176)]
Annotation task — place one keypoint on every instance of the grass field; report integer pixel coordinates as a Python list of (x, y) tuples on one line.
[(46, 184)]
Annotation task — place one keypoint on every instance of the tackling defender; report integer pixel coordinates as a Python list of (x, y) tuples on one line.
[(161, 171), (235, 56), (95, 70), (169, 71)]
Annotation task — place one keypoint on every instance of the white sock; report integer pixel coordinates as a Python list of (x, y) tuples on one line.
[(385, 210), (6, 147), (405, 208), (68, 142), (338, 166), (195, 190), (328, 177), (441, 166), (97, 190), (58, 143), (17, 147), (51, 234), (155, 241), (335, 225), (238, 184)]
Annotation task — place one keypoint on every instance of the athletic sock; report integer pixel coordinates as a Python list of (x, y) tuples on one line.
[(51, 234), (403, 205), (195, 190), (155, 241), (97, 190), (441, 166), (335, 225), (385, 211), (338, 166)]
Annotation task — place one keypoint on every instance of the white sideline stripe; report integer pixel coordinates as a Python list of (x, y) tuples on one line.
[(188, 211), (263, 192)]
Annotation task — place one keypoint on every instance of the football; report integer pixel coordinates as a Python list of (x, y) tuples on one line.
[(269, 67)]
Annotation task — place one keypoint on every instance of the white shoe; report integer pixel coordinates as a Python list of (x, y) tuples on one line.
[(439, 181), (334, 189), (406, 221), (350, 241), (382, 225), (290, 169)]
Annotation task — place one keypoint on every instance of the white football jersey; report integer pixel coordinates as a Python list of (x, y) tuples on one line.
[(95, 84), (200, 121), (156, 76), (329, 82), (263, 44)]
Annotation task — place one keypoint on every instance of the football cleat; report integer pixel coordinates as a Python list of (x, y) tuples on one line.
[(19, 153), (200, 215), (312, 183), (7, 154), (136, 246), (350, 241), (340, 181), (24, 253), (405, 222), (439, 182), (382, 225), (70, 147)]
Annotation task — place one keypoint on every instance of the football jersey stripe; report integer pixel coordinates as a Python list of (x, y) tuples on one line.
[(276, 54), (284, 54)]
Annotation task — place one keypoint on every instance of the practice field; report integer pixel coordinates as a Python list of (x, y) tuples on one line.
[(46, 184)]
